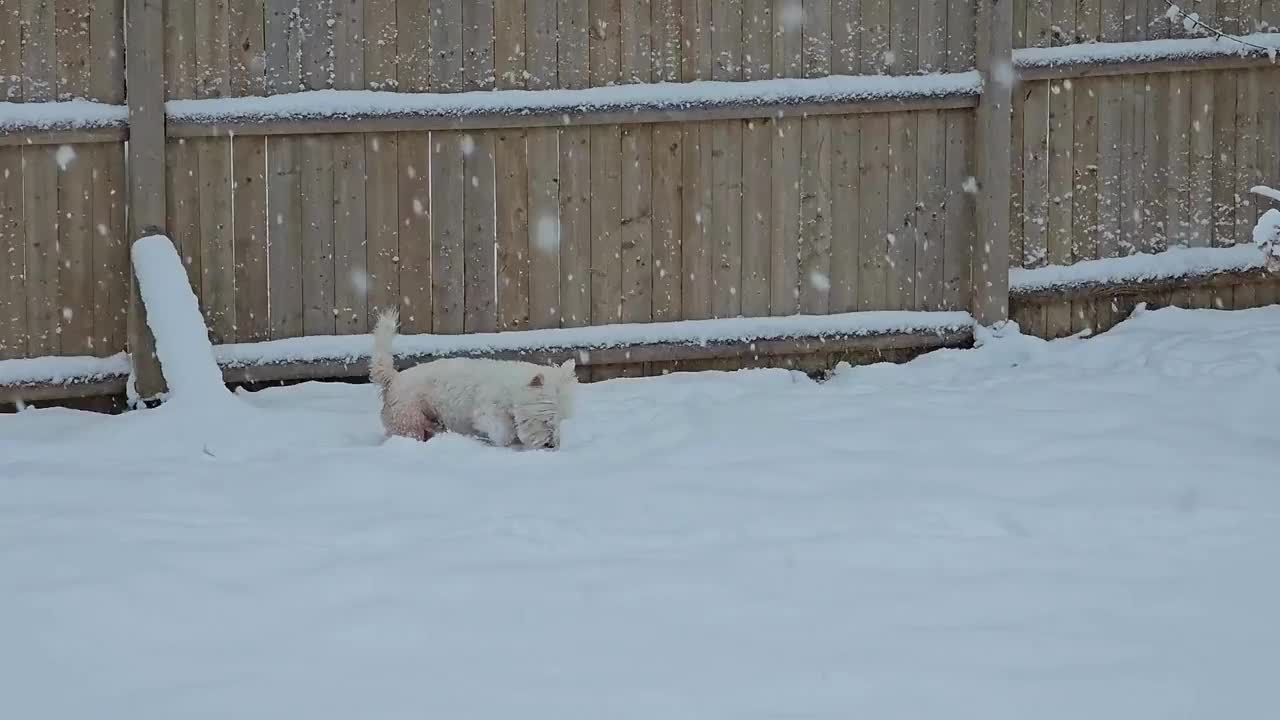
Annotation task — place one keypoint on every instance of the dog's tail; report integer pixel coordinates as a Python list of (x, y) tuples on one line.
[(382, 366)]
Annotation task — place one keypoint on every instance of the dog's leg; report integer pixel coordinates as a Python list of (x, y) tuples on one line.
[(496, 428)]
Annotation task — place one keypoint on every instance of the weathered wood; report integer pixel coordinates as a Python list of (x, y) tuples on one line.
[(961, 228), (12, 394), (145, 66), (846, 135), (72, 47), (637, 225), (246, 48), (1200, 185), (351, 278), (182, 179), (1085, 69), (815, 216), (1155, 229), (249, 206), (40, 215), (631, 354), (903, 236), (382, 221), (381, 45), (39, 50), (873, 201), (605, 202), (315, 200), (11, 52), (316, 22), (513, 254), (724, 223), (545, 233), (1247, 175), (480, 312), (784, 231), (74, 253), (285, 273), (992, 152), (697, 252), (448, 223), (414, 259), (1084, 192), (216, 248), (757, 217), (13, 252), (23, 138), (212, 25), (1177, 198), (283, 42), (348, 46), (640, 115)]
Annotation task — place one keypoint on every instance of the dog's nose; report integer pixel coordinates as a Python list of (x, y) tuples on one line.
[(551, 444)]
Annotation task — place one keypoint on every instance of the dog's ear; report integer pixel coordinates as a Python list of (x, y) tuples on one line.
[(568, 365), (536, 381)]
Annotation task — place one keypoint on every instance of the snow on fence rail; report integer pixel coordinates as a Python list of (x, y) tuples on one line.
[(1174, 263)]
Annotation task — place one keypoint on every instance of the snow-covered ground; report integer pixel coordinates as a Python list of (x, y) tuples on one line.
[(1078, 529)]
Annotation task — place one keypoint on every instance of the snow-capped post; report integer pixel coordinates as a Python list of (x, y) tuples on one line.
[(993, 154), (1266, 233), (144, 68)]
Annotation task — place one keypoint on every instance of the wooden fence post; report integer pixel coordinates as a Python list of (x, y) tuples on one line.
[(993, 153), (144, 73)]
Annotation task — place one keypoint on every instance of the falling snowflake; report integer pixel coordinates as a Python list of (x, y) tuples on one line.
[(65, 156), (819, 280), (359, 280), (547, 234), (468, 145)]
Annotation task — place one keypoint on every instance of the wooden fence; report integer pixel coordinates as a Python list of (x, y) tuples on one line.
[(289, 228)]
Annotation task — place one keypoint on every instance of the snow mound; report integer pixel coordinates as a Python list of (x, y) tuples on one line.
[(64, 115), (1173, 263), (61, 370)]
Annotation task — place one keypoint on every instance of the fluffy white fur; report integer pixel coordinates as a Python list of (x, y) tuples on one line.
[(506, 402)]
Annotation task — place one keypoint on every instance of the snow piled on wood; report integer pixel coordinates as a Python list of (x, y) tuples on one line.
[(1173, 263), (351, 348), (65, 115), (652, 96), (62, 370), (1145, 51), (173, 314)]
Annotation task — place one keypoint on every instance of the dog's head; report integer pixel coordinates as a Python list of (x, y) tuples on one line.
[(548, 400)]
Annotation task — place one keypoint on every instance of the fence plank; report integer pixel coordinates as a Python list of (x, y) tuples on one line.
[(75, 251), (40, 216), (246, 51), (72, 51), (382, 220), (544, 228), (697, 254), (182, 178), (217, 249), (39, 50), (1061, 184), (429, 47), (13, 253), (961, 228), (724, 223), (1084, 193), (815, 216), (1248, 94), (1178, 201), (448, 222), (873, 201), (1224, 155), (1268, 146), (512, 177), (317, 25), (902, 237), (1155, 166), (110, 251), (212, 26), (931, 194), (846, 214), (351, 279), (348, 56), (757, 214), (667, 208), (415, 256), (249, 208), (11, 32), (381, 49), (605, 199), (283, 41), (1200, 181), (285, 246), (315, 187), (637, 224), (573, 69), (480, 309)]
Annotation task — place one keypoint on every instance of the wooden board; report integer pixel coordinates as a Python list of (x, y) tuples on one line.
[(784, 230), (74, 253), (381, 48), (11, 14), (605, 199), (1156, 127), (1084, 194), (348, 51), (39, 50), (110, 249), (697, 252), (422, 27), (961, 230), (182, 175), (73, 50), (480, 309), (667, 209), (1247, 175), (725, 221), (544, 228), (382, 221), (757, 217), (637, 224), (815, 216), (283, 43), (902, 236), (447, 281), (351, 276), (873, 201), (1061, 184), (285, 272), (1177, 198), (246, 51), (513, 254), (41, 226), (846, 134), (212, 52), (415, 206), (931, 194), (315, 171), (249, 205), (13, 252), (217, 246)]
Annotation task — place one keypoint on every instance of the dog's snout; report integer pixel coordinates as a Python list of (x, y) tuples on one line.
[(551, 444)]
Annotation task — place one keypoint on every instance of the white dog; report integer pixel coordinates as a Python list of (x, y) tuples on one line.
[(502, 400)]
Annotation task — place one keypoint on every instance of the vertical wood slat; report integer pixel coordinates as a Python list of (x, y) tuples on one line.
[(351, 278), (479, 236), (145, 67), (72, 48), (11, 60), (543, 170), (382, 221), (605, 196), (1085, 195), (696, 253), (13, 253), (903, 236), (39, 50), (448, 175), (40, 214), (511, 174), (216, 248), (815, 173), (845, 145), (994, 127), (874, 158), (931, 148), (285, 246), (315, 201), (784, 230), (348, 44), (667, 166), (757, 154), (573, 22), (414, 261), (74, 250), (637, 172), (249, 208)]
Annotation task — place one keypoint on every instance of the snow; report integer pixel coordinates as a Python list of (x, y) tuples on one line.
[(1266, 192), (65, 115), (350, 348), (62, 370), (1083, 528), (1175, 262), (654, 96), (1143, 51), (173, 314)]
